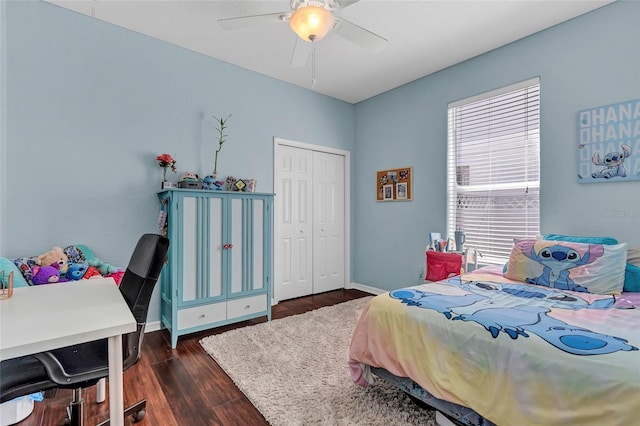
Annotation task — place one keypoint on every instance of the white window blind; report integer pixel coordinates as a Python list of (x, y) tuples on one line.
[(493, 169)]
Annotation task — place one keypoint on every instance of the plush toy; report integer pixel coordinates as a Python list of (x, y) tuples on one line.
[(189, 176), (212, 184), (46, 274), (76, 271), (55, 255), (208, 182), (103, 267), (92, 271)]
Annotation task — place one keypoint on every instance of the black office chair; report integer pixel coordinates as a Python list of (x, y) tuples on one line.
[(80, 366)]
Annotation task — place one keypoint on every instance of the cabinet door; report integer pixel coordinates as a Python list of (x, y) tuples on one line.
[(214, 247), (188, 255), (201, 254), (246, 255)]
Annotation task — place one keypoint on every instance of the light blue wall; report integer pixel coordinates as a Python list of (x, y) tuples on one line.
[(590, 61), (89, 107)]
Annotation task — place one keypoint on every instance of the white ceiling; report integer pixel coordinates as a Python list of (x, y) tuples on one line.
[(424, 36)]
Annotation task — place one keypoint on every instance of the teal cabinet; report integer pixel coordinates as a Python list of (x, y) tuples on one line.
[(220, 259)]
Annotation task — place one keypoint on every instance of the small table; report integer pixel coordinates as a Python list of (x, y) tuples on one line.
[(40, 318)]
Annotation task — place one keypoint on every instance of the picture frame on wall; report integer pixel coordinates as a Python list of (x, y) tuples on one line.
[(401, 190), (387, 192), (400, 181)]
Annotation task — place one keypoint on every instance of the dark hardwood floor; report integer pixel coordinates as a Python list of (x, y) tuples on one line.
[(182, 386)]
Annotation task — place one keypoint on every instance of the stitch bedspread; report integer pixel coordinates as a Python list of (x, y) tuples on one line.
[(517, 354)]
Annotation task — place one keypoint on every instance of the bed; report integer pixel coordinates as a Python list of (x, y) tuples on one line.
[(485, 348)]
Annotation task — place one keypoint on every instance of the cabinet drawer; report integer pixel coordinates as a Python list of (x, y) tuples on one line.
[(246, 306), (201, 315)]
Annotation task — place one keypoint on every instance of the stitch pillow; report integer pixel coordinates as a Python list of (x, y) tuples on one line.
[(592, 268), (632, 271)]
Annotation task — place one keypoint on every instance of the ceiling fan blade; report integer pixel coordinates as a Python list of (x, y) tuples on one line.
[(328, 4), (253, 20), (340, 4), (301, 52), (359, 35)]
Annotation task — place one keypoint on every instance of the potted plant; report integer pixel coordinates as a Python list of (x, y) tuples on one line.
[(166, 161), (211, 181), (222, 125)]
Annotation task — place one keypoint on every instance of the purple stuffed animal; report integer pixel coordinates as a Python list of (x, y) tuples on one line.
[(46, 274)]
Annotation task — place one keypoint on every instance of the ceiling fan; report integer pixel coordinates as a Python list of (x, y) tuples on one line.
[(311, 20)]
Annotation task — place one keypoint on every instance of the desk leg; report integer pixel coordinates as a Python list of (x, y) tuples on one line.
[(116, 398)]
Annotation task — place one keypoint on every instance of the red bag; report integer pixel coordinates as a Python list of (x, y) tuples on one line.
[(442, 265)]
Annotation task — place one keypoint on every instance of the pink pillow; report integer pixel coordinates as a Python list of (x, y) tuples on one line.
[(591, 268)]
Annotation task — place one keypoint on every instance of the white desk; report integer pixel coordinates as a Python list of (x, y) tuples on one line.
[(45, 317)]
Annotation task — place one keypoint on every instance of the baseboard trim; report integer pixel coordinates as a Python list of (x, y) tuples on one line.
[(366, 288), (152, 326)]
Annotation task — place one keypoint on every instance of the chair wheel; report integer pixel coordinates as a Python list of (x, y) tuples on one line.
[(138, 415)]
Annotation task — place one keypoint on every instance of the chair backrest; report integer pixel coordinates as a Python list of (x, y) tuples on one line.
[(143, 272), (136, 287)]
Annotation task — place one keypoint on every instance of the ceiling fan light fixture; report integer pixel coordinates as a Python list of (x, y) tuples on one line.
[(312, 23)]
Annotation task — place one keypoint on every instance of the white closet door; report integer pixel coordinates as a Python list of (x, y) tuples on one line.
[(328, 222), (293, 240)]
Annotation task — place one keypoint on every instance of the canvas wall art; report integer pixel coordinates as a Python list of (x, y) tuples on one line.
[(609, 143)]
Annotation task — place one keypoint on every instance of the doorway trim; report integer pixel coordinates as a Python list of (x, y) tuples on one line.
[(277, 141)]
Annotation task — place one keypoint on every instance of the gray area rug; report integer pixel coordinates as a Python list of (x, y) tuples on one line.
[(295, 371)]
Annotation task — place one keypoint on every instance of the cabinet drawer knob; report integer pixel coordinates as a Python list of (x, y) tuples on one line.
[(202, 316), (247, 307)]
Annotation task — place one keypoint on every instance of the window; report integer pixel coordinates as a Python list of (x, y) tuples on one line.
[(493, 169)]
